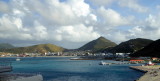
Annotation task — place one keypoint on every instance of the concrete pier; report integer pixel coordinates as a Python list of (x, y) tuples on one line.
[(5, 67), (152, 73)]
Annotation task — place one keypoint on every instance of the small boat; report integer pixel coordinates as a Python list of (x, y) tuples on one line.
[(104, 63), (75, 58), (18, 59)]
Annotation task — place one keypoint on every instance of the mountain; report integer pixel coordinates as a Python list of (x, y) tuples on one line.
[(129, 46), (151, 50), (41, 48), (5, 46), (98, 44)]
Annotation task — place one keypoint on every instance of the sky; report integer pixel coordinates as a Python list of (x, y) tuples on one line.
[(73, 23)]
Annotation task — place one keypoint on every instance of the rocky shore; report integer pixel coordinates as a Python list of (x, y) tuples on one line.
[(152, 73)]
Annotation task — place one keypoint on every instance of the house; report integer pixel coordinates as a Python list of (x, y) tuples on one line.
[(136, 61), (154, 58)]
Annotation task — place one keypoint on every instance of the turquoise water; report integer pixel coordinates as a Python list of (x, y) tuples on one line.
[(63, 69)]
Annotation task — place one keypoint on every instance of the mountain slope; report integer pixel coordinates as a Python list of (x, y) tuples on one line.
[(41, 48), (152, 50), (98, 44), (5, 45), (129, 46)]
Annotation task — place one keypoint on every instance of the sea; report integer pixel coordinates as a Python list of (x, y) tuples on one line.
[(64, 69)]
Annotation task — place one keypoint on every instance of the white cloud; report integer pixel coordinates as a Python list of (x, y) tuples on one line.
[(80, 8), (153, 21), (4, 7), (60, 13), (40, 32), (149, 28), (133, 4), (19, 13), (11, 28), (158, 6), (117, 36), (77, 33), (111, 17), (76, 20), (101, 2)]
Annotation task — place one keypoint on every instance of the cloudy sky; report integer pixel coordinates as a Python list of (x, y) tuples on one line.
[(72, 23)]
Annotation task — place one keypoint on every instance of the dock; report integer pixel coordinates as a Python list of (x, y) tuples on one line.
[(139, 68), (108, 63), (5, 67), (151, 73)]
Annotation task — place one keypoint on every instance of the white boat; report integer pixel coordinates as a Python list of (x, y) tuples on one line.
[(76, 58), (18, 59), (104, 63)]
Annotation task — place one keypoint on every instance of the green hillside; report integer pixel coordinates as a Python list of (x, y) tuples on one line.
[(151, 50), (5, 46), (41, 48), (98, 44), (129, 46)]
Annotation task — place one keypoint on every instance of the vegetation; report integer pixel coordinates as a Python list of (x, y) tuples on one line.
[(129, 46), (5, 46), (41, 48), (97, 45), (151, 50)]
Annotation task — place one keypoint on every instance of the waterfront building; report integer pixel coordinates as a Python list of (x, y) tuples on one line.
[(137, 61)]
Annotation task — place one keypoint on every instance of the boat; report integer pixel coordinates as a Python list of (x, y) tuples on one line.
[(74, 58), (104, 63), (18, 59)]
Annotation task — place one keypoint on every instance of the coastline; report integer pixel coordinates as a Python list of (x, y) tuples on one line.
[(45, 56), (151, 73), (56, 56)]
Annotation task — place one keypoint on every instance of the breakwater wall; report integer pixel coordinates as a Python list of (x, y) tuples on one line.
[(138, 68), (152, 73)]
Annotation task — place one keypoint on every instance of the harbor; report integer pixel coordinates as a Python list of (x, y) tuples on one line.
[(64, 69)]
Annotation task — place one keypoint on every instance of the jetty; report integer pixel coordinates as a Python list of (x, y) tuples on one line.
[(151, 73), (5, 67), (108, 63)]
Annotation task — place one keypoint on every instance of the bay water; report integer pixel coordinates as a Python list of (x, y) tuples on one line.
[(64, 69)]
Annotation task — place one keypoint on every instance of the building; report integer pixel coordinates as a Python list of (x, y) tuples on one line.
[(154, 58), (136, 61)]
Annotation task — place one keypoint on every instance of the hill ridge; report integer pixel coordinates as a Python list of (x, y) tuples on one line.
[(151, 50), (130, 46), (40, 48), (97, 44)]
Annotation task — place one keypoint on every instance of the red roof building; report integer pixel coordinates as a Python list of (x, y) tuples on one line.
[(136, 61)]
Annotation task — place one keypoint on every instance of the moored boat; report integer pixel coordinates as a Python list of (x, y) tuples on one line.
[(18, 59), (104, 63)]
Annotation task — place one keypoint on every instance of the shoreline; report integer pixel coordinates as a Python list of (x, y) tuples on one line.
[(43, 56), (151, 73)]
